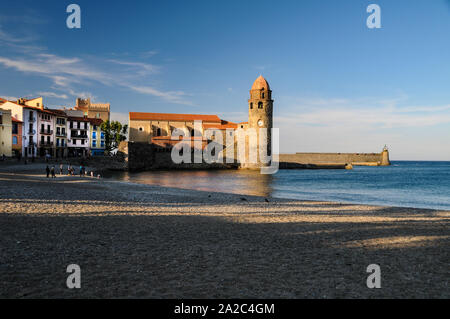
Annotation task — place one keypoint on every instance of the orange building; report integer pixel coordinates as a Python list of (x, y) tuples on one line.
[(16, 136)]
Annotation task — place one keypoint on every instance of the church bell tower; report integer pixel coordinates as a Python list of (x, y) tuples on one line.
[(260, 112)]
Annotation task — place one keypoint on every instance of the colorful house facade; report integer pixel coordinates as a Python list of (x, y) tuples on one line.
[(5, 133), (97, 137), (17, 137)]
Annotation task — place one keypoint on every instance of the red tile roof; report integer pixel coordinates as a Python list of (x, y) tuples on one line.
[(15, 120), (223, 126), (58, 112), (95, 121), (81, 119), (173, 117), (33, 108)]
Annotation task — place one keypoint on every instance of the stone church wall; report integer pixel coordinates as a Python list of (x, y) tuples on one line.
[(144, 156)]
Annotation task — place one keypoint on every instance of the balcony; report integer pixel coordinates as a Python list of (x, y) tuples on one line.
[(82, 136), (46, 144), (31, 119), (31, 132), (46, 132), (31, 144), (61, 134)]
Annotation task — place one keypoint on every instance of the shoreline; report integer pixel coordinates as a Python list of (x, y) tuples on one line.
[(145, 241), (20, 168)]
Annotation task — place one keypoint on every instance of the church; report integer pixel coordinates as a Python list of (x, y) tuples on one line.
[(153, 138), (158, 129)]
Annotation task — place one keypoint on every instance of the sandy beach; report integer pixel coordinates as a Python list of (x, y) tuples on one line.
[(141, 241)]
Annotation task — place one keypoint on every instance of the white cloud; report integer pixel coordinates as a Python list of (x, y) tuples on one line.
[(139, 67), (54, 95), (9, 98), (368, 113), (82, 94), (69, 72), (149, 54), (178, 97)]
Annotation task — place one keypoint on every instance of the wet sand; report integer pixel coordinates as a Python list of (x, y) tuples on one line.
[(145, 241)]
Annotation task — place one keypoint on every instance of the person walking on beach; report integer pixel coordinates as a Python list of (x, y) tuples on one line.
[(52, 170), (47, 170)]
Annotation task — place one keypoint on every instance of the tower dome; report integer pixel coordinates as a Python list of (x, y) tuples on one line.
[(261, 84)]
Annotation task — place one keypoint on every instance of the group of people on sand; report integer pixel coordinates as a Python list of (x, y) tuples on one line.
[(51, 171)]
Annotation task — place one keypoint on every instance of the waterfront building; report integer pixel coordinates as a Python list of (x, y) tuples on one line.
[(28, 116), (46, 133), (97, 137), (5, 133), (56, 132), (17, 137), (60, 133), (78, 141)]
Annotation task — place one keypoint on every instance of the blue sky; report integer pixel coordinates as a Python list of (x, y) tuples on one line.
[(338, 86)]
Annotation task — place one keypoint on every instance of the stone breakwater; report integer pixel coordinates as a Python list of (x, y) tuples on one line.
[(366, 159)]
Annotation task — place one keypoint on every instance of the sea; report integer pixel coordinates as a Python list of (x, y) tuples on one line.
[(416, 184)]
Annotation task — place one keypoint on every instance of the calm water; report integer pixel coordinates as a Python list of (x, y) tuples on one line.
[(410, 184)]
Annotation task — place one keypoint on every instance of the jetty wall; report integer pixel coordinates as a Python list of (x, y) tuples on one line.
[(355, 159)]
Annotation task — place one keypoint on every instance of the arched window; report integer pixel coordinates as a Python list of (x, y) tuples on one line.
[(251, 106), (262, 95), (260, 105), (158, 132)]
